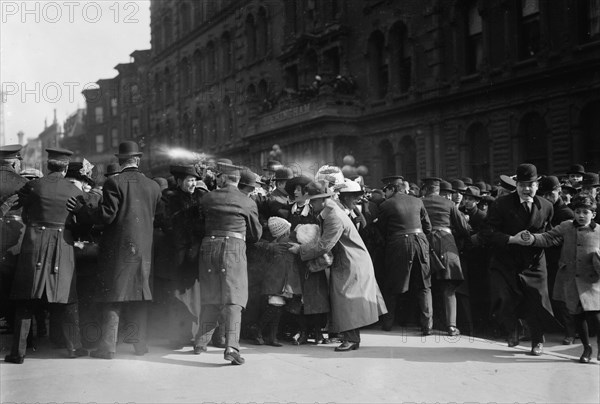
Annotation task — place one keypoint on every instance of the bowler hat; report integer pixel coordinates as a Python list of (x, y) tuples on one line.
[(391, 178), (576, 169), (283, 174), (467, 180), (548, 184), (291, 185), (458, 185), (317, 190), (247, 178), (55, 153), (432, 181), (11, 151), (128, 149), (226, 166), (508, 183), (112, 169), (526, 172), (473, 192), (184, 170), (445, 186), (590, 180)]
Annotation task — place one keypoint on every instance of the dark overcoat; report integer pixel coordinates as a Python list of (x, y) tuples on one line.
[(46, 264), (127, 211), (223, 261), (521, 270), (355, 297), (397, 215)]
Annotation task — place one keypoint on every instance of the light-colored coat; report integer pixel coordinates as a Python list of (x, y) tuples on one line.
[(355, 297), (578, 276)]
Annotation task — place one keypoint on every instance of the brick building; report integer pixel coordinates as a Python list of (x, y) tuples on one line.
[(417, 87)]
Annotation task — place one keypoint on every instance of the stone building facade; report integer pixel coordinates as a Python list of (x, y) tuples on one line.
[(416, 87)]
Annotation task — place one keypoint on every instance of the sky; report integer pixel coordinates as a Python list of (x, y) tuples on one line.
[(52, 50)]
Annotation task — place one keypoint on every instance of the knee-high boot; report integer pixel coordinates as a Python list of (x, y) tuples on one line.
[(273, 326)]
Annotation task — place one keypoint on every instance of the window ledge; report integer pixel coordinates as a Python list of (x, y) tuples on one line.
[(588, 45)]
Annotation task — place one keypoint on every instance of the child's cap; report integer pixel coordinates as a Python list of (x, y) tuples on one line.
[(278, 226)]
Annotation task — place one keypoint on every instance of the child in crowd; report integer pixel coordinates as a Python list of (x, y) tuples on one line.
[(578, 277)]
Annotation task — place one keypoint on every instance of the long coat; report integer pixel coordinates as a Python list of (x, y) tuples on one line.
[(399, 214), (223, 261), (443, 253), (127, 211), (522, 270), (578, 277), (355, 297), (46, 265)]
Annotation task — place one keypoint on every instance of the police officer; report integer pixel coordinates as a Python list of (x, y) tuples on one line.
[(231, 220)]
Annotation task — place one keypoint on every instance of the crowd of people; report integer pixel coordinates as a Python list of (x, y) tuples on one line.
[(220, 253)]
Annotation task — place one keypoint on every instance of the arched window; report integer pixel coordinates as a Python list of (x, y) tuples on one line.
[(311, 67), (250, 29), (210, 61), (534, 141), (400, 57), (185, 77), (251, 93), (474, 38), (168, 80), (529, 28), (227, 119), (331, 62), (407, 156), (388, 163), (185, 17), (226, 53), (590, 146), (262, 37), (378, 69), (262, 90), (198, 70), (478, 152)]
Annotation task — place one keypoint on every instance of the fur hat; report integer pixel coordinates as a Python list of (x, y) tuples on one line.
[(278, 226), (307, 233)]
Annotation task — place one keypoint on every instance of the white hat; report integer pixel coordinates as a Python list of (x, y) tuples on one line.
[(278, 226), (351, 186)]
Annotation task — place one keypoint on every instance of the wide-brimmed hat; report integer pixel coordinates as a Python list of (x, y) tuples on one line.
[(112, 169), (548, 184), (317, 190), (11, 151), (248, 178), (291, 184), (351, 187), (184, 170), (128, 149), (55, 153), (576, 169), (473, 192), (590, 180), (508, 183), (527, 172), (458, 185), (283, 174)]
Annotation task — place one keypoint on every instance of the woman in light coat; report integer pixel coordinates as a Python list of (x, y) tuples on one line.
[(355, 297)]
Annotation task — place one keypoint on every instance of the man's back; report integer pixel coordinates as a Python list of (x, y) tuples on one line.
[(401, 213)]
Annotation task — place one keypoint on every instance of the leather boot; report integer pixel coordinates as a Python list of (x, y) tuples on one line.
[(274, 327)]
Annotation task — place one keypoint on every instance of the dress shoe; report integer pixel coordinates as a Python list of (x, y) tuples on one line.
[(141, 351), (586, 356), (386, 325), (233, 356), (102, 354), (347, 346), (198, 349), (453, 331), (219, 343), (537, 349), (425, 331), (77, 353), (301, 339), (568, 340), (513, 338), (18, 359)]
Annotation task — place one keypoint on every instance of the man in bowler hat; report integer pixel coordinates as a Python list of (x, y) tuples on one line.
[(127, 212), (518, 275)]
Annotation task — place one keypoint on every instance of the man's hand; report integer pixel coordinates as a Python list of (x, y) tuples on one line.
[(74, 205), (524, 237), (294, 248)]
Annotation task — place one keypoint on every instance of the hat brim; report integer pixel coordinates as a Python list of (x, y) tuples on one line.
[(293, 182), (319, 196)]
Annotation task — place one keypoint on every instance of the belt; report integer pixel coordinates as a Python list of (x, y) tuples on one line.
[(440, 228), (11, 217), (226, 234), (407, 232), (47, 225)]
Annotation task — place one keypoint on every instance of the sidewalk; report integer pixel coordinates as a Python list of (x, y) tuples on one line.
[(389, 367)]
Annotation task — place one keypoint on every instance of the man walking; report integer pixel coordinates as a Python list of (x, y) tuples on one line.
[(127, 211)]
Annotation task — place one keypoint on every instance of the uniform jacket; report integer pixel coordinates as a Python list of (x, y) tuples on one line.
[(444, 255), (46, 265), (355, 297), (396, 215), (11, 225), (127, 210), (518, 265), (578, 277), (223, 267)]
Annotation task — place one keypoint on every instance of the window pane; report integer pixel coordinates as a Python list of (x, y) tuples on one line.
[(99, 143), (530, 7), (474, 21)]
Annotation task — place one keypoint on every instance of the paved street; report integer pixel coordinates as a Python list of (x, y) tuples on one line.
[(388, 367)]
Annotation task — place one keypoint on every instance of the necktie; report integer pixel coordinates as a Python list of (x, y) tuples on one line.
[(526, 206)]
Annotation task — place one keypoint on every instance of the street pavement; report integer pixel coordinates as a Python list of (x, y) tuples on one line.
[(394, 367)]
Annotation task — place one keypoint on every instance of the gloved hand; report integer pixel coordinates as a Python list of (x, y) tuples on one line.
[(74, 204)]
